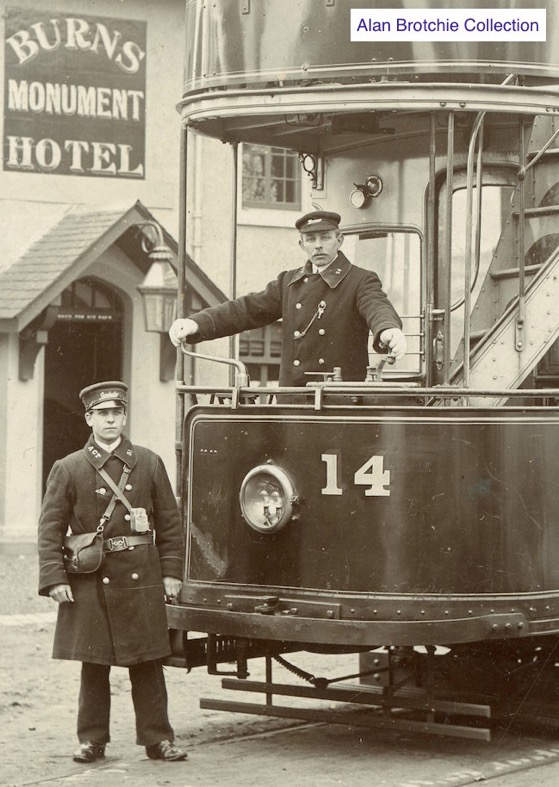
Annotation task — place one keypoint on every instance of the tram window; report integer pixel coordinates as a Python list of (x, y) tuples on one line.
[(271, 178), (395, 255)]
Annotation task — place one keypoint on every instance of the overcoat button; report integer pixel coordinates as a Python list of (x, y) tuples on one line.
[(106, 580), (306, 279), (128, 487), (296, 363), (298, 305), (321, 360), (135, 576), (296, 334), (321, 331), (127, 517)]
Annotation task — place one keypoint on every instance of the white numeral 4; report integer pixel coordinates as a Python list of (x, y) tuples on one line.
[(373, 475)]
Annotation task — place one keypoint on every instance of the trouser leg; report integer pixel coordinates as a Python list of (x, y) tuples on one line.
[(94, 706), (149, 695)]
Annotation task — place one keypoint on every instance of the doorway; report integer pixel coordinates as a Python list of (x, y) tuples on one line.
[(84, 347)]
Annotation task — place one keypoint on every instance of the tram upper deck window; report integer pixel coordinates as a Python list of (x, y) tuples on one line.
[(271, 178), (395, 255)]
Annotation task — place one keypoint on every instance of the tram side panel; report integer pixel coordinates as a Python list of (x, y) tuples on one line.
[(388, 504)]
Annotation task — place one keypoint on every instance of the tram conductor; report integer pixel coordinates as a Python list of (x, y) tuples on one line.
[(114, 614), (328, 306)]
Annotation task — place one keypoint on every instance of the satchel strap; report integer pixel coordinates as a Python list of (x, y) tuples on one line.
[(121, 484), (117, 493)]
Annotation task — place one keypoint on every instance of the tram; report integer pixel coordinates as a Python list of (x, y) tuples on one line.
[(412, 517)]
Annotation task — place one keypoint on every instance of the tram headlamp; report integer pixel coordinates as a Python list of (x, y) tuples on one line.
[(267, 498), (364, 192)]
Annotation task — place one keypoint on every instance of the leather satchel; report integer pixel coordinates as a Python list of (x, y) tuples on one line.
[(83, 553)]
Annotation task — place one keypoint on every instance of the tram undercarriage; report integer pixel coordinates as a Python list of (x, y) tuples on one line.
[(464, 691)]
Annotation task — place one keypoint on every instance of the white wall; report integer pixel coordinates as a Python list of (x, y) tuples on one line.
[(21, 452)]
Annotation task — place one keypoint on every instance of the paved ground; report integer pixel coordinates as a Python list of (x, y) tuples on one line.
[(37, 723)]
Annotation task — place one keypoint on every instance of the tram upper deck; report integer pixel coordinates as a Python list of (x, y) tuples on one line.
[(430, 124), (265, 50)]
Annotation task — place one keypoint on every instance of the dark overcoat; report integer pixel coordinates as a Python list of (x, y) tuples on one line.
[(118, 616), (326, 316)]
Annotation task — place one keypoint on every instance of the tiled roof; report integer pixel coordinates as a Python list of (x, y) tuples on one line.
[(50, 257), (39, 275)]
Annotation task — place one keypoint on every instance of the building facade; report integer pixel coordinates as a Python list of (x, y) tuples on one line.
[(89, 187)]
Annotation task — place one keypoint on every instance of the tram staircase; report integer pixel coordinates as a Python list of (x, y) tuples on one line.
[(502, 356)]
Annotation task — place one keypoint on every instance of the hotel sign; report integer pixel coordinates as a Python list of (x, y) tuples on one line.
[(74, 94)]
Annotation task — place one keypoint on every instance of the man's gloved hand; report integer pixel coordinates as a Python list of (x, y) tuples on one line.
[(61, 593), (171, 586), (395, 341), (180, 330)]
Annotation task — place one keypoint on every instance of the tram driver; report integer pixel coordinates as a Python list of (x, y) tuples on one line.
[(328, 307)]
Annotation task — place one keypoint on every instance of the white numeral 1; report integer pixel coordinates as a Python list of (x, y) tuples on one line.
[(331, 487), (373, 475)]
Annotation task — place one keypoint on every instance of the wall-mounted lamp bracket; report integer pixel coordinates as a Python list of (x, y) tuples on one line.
[(313, 165)]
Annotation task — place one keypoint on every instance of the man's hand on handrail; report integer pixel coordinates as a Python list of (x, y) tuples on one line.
[(181, 329), (395, 341)]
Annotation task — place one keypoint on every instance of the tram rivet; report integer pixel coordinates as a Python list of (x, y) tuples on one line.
[(352, 611), (399, 612), (376, 676), (470, 612), (376, 662), (422, 611), (494, 627), (508, 626), (443, 103), (446, 612), (329, 613), (521, 625), (375, 611), (229, 605), (462, 104)]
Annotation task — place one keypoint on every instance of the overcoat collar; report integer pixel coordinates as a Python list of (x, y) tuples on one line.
[(333, 274), (97, 456)]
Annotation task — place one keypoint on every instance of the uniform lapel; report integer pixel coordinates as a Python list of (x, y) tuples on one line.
[(97, 456)]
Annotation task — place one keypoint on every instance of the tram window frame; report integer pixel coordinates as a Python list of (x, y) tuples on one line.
[(407, 302)]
